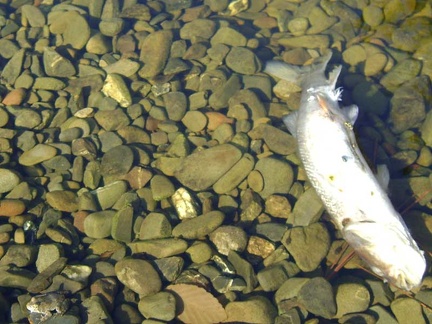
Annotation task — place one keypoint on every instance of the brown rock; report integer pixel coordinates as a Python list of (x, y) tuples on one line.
[(11, 207), (15, 97)]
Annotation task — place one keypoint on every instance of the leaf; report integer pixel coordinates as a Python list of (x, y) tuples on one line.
[(197, 306)]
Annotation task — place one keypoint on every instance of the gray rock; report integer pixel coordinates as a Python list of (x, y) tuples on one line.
[(95, 311), (122, 223), (251, 206), (235, 175), (228, 36), (98, 224), (117, 162), (277, 140), (202, 169), (108, 195), (199, 226), (402, 72), (56, 65), (14, 277), (271, 230), (161, 306), (221, 96), (308, 245), (227, 238), (175, 105), (243, 269), (139, 276), (380, 292), (317, 297), (308, 208), (170, 267), (155, 52)]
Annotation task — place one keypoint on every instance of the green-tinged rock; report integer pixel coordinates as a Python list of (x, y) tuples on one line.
[(56, 65), (98, 224), (308, 208), (351, 297), (272, 277), (242, 60), (63, 200), (48, 83), (277, 175), (122, 223), (161, 306), (19, 255), (15, 278), (108, 195), (139, 276), (159, 248), (407, 310), (257, 309), (317, 297), (290, 289), (277, 140), (243, 269), (155, 226), (155, 52), (382, 315), (202, 169), (308, 245), (161, 187), (235, 175), (401, 73), (199, 226), (12, 69), (204, 28), (306, 41), (37, 154)]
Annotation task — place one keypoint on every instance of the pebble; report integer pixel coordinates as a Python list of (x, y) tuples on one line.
[(278, 206), (373, 15), (98, 224), (9, 179), (308, 245), (122, 223), (154, 53), (73, 27), (317, 296), (230, 180), (94, 310), (308, 208), (228, 36), (351, 298), (56, 65), (199, 226), (160, 306), (306, 41), (202, 169), (274, 182), (203, 28), (117, 162), (272, 277), (16, 278), (402, 72), (370, 98), (37, 154), (227, 238), (199, 252), (243, 61), (139, 276), (63, 200), (407, 310), (159, 248), (222, 95), (161, 187), (257, 309), (19, 255), (155, 226), (277, 140)]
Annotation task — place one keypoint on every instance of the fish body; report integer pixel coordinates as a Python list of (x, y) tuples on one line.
[(353, 196)]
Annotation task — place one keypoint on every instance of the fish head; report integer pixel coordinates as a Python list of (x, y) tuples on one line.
[(389, 251)]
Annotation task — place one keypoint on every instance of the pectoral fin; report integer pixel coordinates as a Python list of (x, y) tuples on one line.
[(351, 113), (383, 176)]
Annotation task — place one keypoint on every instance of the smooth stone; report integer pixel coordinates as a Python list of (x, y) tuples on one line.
[(102, 246), (73, 27), (199, 252), (308, 245), (317, 296), (136, 11), (382, 315), (161, 187), (426, 129), (47, 255), (12, 68), (16, 278), (132, 134), (63, 200), (271, 230), (27, 118), (228, 36), (122, 224), (161, 306), (306, 41), (230, 180), (48, 83), (94, 310), (108, 195), (397, 10), (257, 309), (139, 276), (194, 120), (298, 26), (56, 65), (159, 248), (351, 298), (375, 64), (100, 44), (373, 15), (112, 120), (58, 163), (199, 226), (200, 170), (13, 98), (354, 55), (155, 52), (111, 26), (98, 225), (117, 161), (277, 175), (221, 96), (227, 238), (204, 28), (243, 61), (11, 207), (272, 277), (33, 15), (175, 105), (277, 140), (37, 154), (407, 310), (249, 99), (8, 180), (109, 140), (380, 292), (155, 226), (308, 208), (402, 72)]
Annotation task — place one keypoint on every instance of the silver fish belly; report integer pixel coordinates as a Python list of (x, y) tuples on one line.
[(354, 198)]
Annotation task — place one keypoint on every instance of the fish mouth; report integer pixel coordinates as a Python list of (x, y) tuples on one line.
[(388, 252)]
